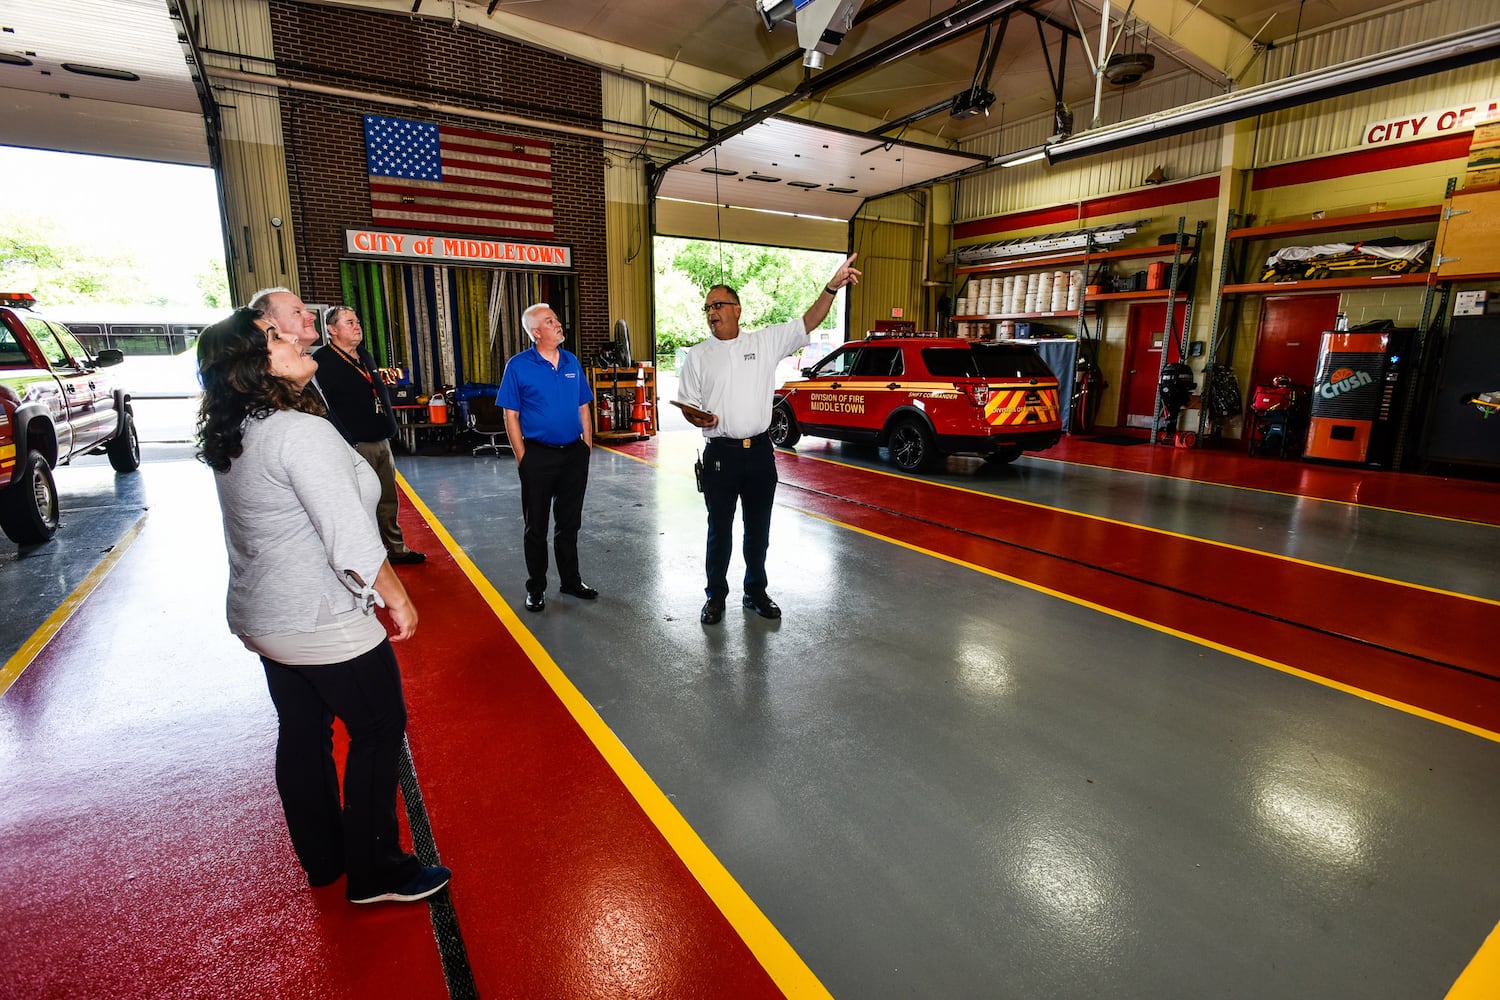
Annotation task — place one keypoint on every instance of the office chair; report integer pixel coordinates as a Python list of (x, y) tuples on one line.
[(488, 419)]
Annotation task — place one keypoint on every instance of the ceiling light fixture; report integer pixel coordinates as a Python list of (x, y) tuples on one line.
[(1020, 156), (11, 59)]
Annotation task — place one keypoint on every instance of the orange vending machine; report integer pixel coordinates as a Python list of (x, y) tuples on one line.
[(1356, 396)]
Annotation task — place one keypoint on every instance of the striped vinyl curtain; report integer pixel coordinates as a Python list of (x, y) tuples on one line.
[(450, 325)]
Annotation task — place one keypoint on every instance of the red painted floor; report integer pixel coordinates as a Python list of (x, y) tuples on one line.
[(1439, 496), (146, 854), (563, 887), (1432, 651)]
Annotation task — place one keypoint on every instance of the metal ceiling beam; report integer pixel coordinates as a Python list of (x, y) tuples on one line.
[(959, 20), (1464, 48)]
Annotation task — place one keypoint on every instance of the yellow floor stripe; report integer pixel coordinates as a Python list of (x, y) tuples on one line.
[(1481, 979), (1177, 534), (1168, 630), (18, 663), (1260, 489), (774, 953), (1400, 706)]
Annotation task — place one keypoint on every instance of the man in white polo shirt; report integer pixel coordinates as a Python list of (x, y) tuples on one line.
[(732, 376)]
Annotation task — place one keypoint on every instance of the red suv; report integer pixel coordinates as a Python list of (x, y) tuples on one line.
[(925, 397)]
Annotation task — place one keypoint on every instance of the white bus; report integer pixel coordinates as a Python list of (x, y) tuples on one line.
[(159, 342)]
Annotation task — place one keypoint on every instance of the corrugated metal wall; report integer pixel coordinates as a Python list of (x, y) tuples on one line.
[(889, 238), (1338, 124), (252, 152), (627, 215), (1003, 190)]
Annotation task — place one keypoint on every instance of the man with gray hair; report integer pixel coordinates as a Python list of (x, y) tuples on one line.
[(360, 408), (546, 397)]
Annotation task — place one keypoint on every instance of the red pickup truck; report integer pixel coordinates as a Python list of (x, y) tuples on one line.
[(56, 401)]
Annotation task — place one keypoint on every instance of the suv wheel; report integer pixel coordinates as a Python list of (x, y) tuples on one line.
[(124, 448), (911, 446), (784, 431), (28, 507)]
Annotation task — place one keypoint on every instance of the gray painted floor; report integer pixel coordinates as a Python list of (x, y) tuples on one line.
[(937, 783)]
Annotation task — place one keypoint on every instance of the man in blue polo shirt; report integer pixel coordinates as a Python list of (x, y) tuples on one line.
[(546, 396)]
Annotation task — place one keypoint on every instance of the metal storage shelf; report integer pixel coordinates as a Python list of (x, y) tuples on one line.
[(1049, 261), (1342, 223), (1306, 285)]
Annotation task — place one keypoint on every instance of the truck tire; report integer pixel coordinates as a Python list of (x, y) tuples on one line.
[(124, 449), (784, 431), (911, 446), (28, 507)]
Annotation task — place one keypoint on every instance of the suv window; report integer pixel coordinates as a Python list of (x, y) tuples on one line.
[(70, 344), (878, 361), (839, 362), (11, 351), (52, 350), (989, 362)]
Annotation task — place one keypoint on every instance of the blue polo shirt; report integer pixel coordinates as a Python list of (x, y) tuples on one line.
[(547, 398)]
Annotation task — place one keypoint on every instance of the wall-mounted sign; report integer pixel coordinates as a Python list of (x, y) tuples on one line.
[(433, 248), (1430, 124)]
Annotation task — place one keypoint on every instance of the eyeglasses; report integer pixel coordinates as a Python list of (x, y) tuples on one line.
[(716, 306)]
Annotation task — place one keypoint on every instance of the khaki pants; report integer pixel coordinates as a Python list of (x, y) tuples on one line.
[(378, 454)]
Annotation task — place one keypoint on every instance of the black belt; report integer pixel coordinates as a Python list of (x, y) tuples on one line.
[(729, 442), (532, 442)]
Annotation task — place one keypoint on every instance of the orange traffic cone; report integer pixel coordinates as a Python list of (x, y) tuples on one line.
[(640, 414)]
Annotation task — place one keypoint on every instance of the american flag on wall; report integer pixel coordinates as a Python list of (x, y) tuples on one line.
[(462, 180)]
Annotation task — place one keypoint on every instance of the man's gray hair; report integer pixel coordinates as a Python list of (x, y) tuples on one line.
[(529, 317), (258, 300)]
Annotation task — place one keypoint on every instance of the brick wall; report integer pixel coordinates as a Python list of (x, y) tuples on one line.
[(387, 54)]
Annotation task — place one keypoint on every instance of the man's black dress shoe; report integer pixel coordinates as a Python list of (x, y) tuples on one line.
[(762, 605), (535, 602), (713, 611), (579, 589), (408, 557)]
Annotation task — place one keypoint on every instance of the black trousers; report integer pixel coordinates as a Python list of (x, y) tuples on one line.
[(361, 835), (733, 474), (553, 479)]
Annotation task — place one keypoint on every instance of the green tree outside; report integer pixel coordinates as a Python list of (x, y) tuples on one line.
[(37, 257), (775, 284)]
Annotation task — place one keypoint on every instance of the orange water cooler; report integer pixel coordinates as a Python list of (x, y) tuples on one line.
[(1356, 396)]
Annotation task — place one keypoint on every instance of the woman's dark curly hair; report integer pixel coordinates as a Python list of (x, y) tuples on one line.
[(234, 366)]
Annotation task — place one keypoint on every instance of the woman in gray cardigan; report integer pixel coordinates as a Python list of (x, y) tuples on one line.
[(306, 570)]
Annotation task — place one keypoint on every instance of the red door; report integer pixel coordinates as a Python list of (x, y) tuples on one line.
[(1143, 361), (1291, 328)]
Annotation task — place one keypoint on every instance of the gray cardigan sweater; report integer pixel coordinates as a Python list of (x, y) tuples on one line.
[(299, 509)]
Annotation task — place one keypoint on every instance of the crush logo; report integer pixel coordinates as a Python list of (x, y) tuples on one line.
[(1344, 380)]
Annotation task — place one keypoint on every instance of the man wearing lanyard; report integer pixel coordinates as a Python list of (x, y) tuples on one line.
[(732, 376), (360, 407), (546, 399)]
